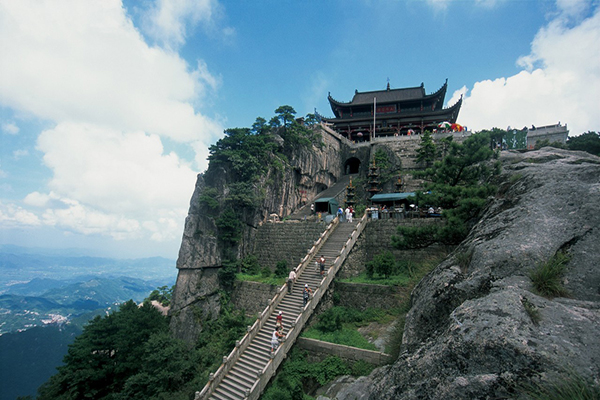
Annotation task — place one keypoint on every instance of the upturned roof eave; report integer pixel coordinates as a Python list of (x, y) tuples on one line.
[(425, 114), (440, 92)]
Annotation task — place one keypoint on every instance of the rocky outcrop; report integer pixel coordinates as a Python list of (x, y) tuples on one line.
[(477, 329), (282, 190)]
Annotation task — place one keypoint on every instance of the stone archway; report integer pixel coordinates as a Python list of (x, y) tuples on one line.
[(352, 166)]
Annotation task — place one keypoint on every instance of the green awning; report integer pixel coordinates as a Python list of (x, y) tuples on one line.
[(386, 197), (326, 204)]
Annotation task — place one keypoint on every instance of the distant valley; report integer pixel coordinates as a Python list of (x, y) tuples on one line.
[(46, 297)]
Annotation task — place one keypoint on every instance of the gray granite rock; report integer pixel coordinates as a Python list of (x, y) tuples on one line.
[(471, 332)]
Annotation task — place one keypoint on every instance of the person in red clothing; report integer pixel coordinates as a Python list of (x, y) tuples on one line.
[(279, 320)]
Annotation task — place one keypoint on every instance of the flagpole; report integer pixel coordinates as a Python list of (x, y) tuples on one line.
[(374, 114)]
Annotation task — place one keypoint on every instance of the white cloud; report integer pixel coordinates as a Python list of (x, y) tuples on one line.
[(112, 98), (10, 128), (114, 177), (86, 62), (560, 82), (15, 216), (168, 21), (17, 154)]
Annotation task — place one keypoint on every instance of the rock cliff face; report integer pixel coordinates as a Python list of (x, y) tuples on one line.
[(282, 190), (473, 330)]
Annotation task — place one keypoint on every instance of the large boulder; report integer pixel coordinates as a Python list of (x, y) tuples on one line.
[(477, 329)]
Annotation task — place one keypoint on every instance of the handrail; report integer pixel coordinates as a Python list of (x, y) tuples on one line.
[(288, 341), (228, 361)]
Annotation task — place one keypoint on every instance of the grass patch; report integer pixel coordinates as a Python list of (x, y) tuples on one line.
[(297, 378), (547, 277), (407, 272), (570, 386), (339, 325), (397, 280), (261, 278), (347, 335)]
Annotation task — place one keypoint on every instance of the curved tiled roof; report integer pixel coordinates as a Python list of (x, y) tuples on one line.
[(391, 95)]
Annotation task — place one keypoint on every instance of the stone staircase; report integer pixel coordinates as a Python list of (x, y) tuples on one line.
[(246, 371)]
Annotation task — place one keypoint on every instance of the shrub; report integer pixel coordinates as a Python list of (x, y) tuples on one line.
[(249, 265), (383, 264), (361, 368), (265, 272), (406, 267), (414, 237), (227, 274), (547, 277), (281, 269)]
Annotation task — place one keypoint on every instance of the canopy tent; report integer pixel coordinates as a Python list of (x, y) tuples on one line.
[(391, 199), (326, 205)]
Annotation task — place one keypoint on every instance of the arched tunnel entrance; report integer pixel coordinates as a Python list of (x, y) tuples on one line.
[(352, 166)]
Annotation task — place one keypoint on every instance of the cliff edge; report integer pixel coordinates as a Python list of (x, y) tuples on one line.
[(477, 329)]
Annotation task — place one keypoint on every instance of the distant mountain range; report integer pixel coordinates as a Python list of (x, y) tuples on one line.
[(47, 296), (47, 301)]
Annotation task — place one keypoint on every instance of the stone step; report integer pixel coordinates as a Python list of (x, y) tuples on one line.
[(251, 365), (218, 396), (235, 379), (256, 356), (231, 393)]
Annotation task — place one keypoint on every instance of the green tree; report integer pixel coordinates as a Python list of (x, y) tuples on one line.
[(460, 184), (230, 227), (106, 354), (311, 120), (589, 141), (164, 295), (383, 264), (281, 269), (248, 155), (285, 114), (260, 126), (169, 370), (427, 151)]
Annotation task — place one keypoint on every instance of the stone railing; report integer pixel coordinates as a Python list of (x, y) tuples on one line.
[(297, 325), (241, 345)]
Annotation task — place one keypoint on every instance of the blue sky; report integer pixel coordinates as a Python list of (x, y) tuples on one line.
[(107, 108)]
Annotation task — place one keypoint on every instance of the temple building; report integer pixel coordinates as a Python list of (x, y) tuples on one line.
[(392, 112)]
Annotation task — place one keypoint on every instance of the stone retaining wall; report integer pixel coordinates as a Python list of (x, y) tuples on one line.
[(289, 241), (362, 296), (324, 349), (377, 238), (252, 297)]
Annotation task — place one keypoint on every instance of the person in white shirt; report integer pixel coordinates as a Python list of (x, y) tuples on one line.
[(291, 280)]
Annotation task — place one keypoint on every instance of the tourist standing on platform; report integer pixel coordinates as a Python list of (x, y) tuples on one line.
[(351, 213), (348, 215), (306, 294), (291, 280), (340, 214)]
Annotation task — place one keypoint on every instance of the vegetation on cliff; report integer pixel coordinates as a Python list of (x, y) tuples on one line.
[(129, 354), (460, 184)]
